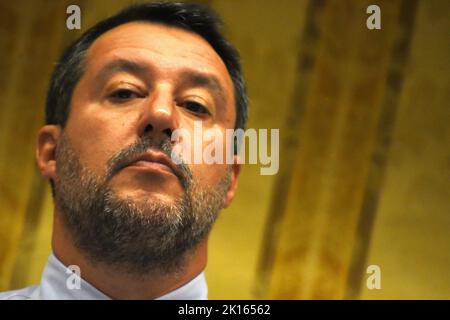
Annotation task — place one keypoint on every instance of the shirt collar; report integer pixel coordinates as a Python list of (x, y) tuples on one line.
[(56, 276)]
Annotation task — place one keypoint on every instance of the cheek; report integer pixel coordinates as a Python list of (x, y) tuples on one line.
[(96, 140), (208, 175), (214, 151)]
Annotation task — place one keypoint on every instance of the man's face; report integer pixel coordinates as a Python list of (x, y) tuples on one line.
[(141, 82), (173, 78)]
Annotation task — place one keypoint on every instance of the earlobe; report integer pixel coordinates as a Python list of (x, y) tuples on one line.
[(235, 171), (47, 140)]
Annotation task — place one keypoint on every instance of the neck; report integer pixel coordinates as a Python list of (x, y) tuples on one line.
[(124, 286)]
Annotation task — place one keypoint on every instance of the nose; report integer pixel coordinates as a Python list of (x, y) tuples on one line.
[(158, 118)]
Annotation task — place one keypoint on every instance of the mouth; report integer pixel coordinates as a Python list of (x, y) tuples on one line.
[(155, 162)]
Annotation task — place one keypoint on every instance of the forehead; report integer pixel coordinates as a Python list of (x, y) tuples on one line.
[(168, 48)]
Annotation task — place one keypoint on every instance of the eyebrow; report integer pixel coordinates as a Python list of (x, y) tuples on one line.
[(192, 78), (188, 77)]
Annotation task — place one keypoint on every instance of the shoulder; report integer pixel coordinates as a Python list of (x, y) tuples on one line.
[(20, 294)]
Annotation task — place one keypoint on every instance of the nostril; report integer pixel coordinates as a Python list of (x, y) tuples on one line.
[(148, 128), (168, 132)]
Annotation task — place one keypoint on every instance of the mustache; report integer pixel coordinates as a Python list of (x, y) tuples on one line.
[(146, 143)]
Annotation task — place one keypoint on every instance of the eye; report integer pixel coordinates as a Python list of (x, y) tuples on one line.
[(123, 95), (196, 107)]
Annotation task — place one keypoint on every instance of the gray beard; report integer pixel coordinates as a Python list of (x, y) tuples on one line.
[(134, 237)]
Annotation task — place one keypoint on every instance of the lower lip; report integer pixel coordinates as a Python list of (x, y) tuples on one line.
[(151, 166)]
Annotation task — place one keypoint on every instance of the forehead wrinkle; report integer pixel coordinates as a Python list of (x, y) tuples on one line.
[(180, 43)]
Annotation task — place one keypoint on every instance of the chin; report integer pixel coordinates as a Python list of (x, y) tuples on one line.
[(141, 196), (144, 190)]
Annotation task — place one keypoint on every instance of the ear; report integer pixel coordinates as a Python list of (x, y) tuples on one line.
[(235, 171), (47, 140)]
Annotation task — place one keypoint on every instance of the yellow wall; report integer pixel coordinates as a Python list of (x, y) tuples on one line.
[(364, 136), (411, 236)]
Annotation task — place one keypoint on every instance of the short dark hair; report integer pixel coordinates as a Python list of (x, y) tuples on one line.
[(187, 16)]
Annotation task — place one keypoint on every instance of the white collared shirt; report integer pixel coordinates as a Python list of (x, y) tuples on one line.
[(54, 286)]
